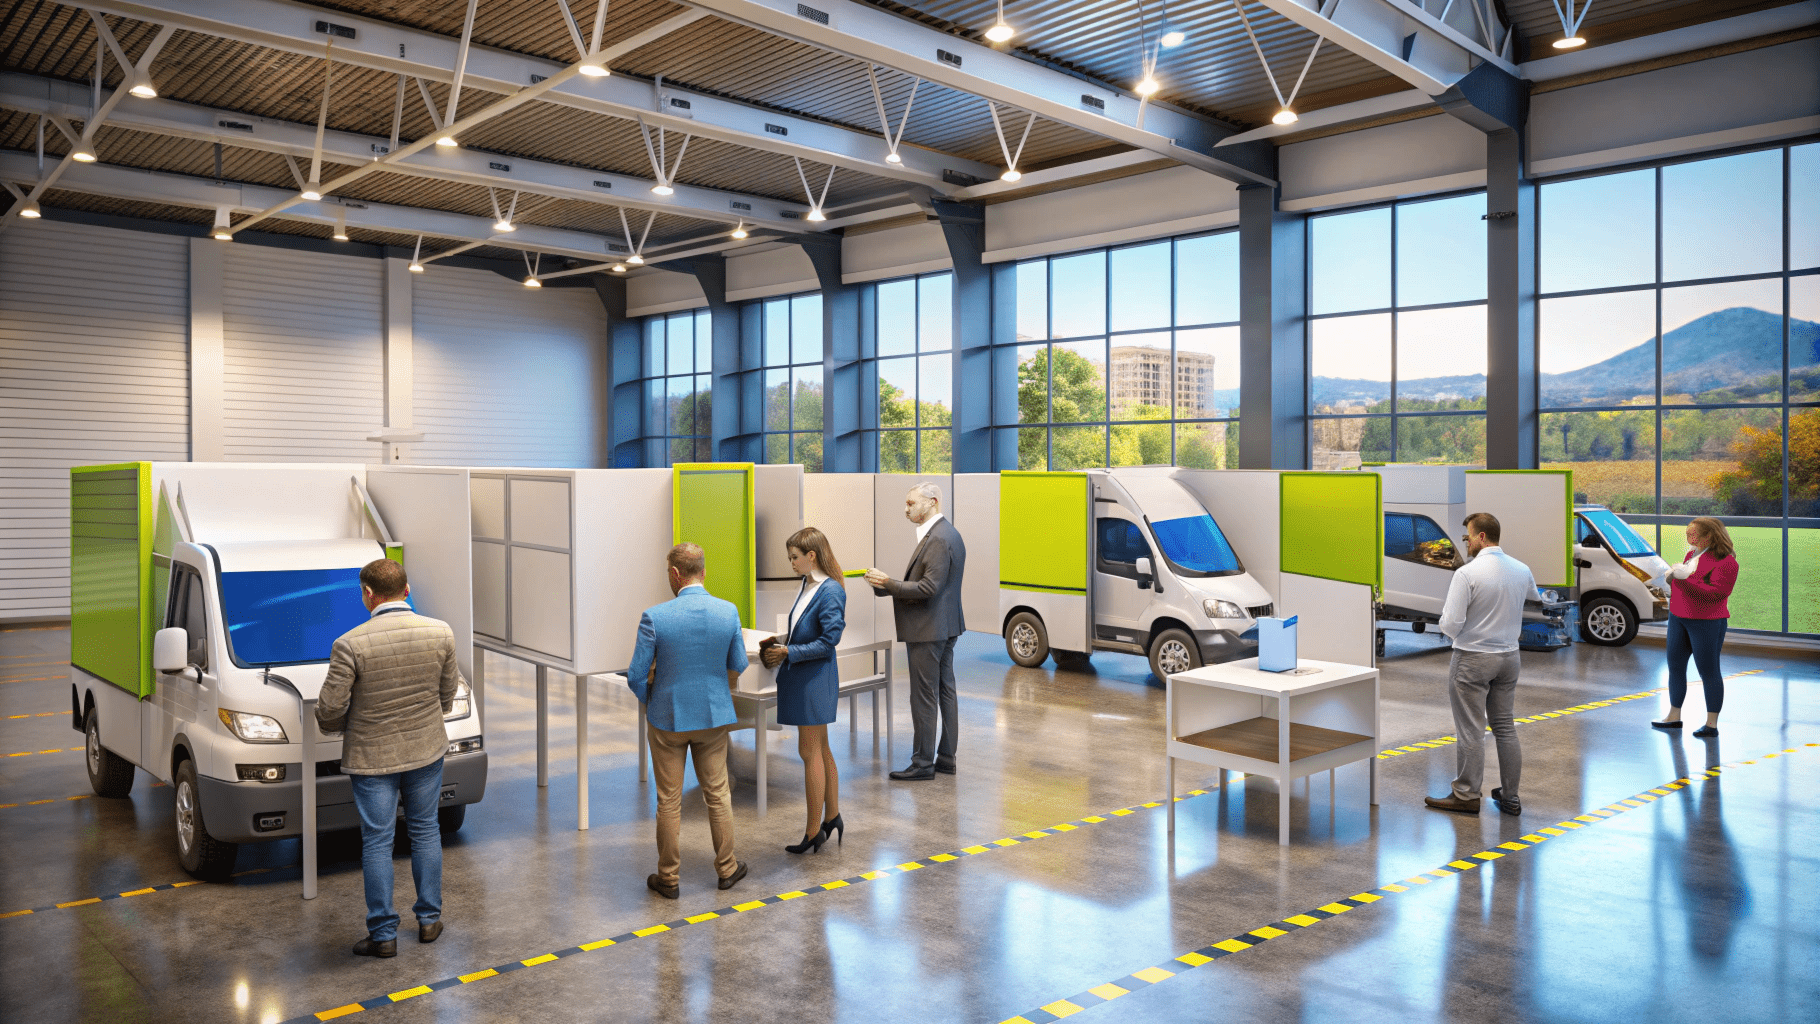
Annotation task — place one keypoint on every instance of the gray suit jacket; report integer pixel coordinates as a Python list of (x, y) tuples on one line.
[(390, 681), (927, 601)]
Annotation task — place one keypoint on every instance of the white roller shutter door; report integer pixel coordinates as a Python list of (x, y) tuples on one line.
[(304, 374), (506, 375), (94, 368)]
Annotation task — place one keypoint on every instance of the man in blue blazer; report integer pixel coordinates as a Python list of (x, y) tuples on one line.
[(689, 656)]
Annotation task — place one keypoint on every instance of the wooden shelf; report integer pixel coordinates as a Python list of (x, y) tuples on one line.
[(1257, 738)]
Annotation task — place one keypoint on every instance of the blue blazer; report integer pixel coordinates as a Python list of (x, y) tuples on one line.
[(809, 654), (693, 640)]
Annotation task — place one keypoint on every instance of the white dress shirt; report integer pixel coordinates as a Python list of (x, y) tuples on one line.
[(811, 583), (1484, 609), (400, 605), (923, 528)]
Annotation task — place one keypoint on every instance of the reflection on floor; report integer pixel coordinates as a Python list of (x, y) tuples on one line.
[(1696, 899)]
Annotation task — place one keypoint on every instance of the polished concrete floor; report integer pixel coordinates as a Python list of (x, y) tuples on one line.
[(1700, 901)]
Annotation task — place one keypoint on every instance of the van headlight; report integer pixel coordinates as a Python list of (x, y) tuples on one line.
[(252, 728), (1222, 610), (463, 704)]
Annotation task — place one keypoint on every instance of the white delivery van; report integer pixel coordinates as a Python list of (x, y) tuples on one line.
[(1145, 570), (1619, 576), (192, 650)]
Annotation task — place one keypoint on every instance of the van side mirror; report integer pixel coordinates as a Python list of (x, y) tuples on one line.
[(171, 649), (1593, 540), (1144, 572)]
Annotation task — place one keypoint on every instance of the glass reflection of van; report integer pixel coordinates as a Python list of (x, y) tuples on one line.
[(1616, 569)]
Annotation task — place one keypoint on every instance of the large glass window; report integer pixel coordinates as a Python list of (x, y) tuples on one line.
[(912, 371), (1126, 357), (1679, 354), (678, 362), (790, 370), (1396, 334)]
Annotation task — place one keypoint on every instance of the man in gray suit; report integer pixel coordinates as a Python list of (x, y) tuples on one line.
[(392, 680), (927, 606)]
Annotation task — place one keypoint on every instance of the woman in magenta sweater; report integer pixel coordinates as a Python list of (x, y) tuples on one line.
[(1696, 619)]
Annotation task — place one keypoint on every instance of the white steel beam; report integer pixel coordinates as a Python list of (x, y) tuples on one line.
[(56, 98), (871, 34), (290, 26), (135, 185), (1404, 39)]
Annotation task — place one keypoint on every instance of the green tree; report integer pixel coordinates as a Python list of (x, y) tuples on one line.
[(1079, 397)]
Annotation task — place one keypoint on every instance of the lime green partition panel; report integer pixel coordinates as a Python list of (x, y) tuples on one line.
[(1042, 532), (714, 507), (111, 573), (1333, 527)]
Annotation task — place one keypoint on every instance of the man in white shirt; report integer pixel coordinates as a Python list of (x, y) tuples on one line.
[(1484, 617)]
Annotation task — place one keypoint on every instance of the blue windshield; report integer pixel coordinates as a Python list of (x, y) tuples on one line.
[(1197, 545), (290, 616), (1623, 540)]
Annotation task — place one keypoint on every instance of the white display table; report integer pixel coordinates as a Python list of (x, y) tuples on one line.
[(1278, 725)]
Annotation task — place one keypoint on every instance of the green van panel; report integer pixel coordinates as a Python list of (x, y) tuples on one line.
[(111, 622), (1042, 532), (715, 506)]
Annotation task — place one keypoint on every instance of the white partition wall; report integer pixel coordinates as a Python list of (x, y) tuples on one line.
[(1335, 621), (1534, 509), (894, 537), (421, 507), (840, 505), (777, 496), (976, 516), (1247, 503)]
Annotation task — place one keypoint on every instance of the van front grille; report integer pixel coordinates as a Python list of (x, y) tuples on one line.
[(1261, 611)]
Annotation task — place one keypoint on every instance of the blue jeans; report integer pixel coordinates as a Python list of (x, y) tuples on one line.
[(1702, 639), (376, 797)]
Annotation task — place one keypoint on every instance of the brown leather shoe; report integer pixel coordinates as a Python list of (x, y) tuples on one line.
[(733, 879), (429, 932), (1452, 803), (668, 892)]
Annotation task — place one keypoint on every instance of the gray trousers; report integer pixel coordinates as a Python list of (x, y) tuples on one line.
[(932, 688), (1485, 693)]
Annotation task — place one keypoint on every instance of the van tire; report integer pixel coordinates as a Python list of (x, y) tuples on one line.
[(200, 853), (1173, 650), (1026, 641), (109, 774), (449, 819), (1608, 622)]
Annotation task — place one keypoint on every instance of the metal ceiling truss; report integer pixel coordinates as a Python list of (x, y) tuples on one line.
[(135, 185), (1431, 44), (289, 26), (53, 97), (873, 35)]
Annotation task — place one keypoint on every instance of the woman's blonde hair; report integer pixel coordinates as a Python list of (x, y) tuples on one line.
[(1718, 538), (811, 539)]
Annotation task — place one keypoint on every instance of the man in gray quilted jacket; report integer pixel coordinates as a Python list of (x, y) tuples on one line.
[(391, 680)]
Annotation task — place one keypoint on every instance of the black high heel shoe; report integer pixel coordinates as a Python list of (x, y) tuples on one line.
[(832, 826), (810, 843)]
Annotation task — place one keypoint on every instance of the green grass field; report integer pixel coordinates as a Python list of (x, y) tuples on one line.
[(1757, 602)]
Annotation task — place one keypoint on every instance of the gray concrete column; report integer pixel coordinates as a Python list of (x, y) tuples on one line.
[(1273, 345), (842, 425), (1510, 291), (964, 229)]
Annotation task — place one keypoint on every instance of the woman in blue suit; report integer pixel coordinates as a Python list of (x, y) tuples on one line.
[(808, 678)]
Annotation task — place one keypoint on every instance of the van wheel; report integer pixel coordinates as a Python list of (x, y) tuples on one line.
[(199, 853), (1608, 622), (1173, 651), (449, 819), (109, 774), (1026, 641)]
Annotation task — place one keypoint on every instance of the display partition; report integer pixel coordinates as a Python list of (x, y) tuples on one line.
[(421, 506), (1247, 505), (1535, 509), (1331, 526), (1044, 545), (777, 495), (894, 537), (976, 515), (843, 507), (714, 506), (1336, 620)]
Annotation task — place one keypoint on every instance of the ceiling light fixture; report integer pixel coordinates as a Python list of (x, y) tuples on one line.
[(1285, 116), (740, 231), (1011, 172), (892, 139), (893, 158), (1570, 24), (816, 215), (142, 86), (502, 222), (1148, 86), (1000, 31), (594, 67), (532, 282), (84, 154), (619, 268), (341, 224), (220, 230), (815, 202), (447, 142), (417, 267), (312, 191), (502, 226), (29, 210), (1172, 37), (662, 189), (636, 260)]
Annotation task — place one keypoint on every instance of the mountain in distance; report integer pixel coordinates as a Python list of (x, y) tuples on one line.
[(1722, 349)]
